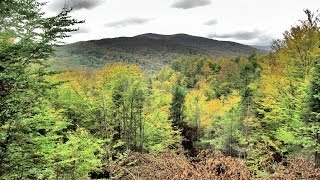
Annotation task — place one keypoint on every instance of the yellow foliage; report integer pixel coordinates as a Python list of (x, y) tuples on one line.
[(215, 107), (195, 102), (197, 108), (119, 72), (206, 88), (218, 107)]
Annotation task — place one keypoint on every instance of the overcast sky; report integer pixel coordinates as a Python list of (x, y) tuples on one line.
[(244, 21)]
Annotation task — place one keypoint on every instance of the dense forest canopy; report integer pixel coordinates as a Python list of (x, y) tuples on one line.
[(242, 117)]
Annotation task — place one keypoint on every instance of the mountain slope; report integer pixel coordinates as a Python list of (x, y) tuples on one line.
[(151, 51), (264, 48)]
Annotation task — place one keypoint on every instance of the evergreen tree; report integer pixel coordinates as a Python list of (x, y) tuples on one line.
[(282, 94), (315, 112), (26, 43), (176, 109)]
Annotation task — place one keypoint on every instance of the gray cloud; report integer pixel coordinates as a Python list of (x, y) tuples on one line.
[(75, 4), (127, 22), (211, 22), (240, 35), (187, 4), (263, 41), (255, 36)]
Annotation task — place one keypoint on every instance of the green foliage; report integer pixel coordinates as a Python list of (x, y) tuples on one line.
[(224, 129), (42, 149), (282, 95), (315, 113), (78, 156), (176, 107), (195, 68), (315, 93), (115, 103), (26, 42), (33, 140), (33, 134), (159, 133)]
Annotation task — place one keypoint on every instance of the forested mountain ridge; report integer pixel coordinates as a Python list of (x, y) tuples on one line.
[(263, 48), (149, 51)]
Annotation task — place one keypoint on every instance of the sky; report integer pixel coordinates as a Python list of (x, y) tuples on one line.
[(253, 22)]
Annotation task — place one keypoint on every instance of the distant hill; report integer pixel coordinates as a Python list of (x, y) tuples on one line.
[(150, 51), (264, 48)]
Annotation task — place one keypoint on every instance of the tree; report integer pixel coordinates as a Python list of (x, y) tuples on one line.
[(79, 156), (195, 113), (26, 42), (176, 109), (159, 132), (301, 40), (282, 105), (195, 68), (228, 77), (249, 73), (37, 138), (315, 112), (125, 87), (282, 94), (225, 123)]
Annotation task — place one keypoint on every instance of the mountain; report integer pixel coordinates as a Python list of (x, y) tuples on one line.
[(150, 51), (263, 48)]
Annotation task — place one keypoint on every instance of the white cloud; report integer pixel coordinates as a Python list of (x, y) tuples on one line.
[(255, 36)]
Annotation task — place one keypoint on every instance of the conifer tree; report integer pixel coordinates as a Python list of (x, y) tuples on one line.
[(315, 112), (26, 42)]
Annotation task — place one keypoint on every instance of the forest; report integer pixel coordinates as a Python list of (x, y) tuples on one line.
[(243, 117)]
